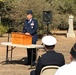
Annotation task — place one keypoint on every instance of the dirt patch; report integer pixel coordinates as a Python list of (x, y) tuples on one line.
[(17, 67)]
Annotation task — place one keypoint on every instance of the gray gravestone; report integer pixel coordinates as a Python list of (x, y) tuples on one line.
[(70, 30)]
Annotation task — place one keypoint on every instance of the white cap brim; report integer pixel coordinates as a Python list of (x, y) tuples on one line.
[(49, 40)]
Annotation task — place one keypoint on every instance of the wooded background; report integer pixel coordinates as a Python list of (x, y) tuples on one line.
[(13, 14)]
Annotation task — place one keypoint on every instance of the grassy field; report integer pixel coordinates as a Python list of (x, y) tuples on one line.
[(17, 67)]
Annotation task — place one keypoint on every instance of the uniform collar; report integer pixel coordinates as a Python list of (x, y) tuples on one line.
[(51, 51), (30, 20), (74, 61)]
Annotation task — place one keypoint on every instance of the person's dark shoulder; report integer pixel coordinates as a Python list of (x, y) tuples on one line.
[(34, 19), (60, 54), (43, 56), (25, 20)]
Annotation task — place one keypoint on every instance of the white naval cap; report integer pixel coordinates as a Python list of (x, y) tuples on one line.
[(49, 40)]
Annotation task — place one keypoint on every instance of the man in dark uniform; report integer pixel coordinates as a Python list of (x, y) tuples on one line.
[(50, 57), (30, 28)]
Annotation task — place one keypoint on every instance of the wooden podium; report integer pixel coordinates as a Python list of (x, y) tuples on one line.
[(20, 38)]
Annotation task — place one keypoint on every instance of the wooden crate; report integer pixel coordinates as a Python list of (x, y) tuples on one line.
[(20, 38)]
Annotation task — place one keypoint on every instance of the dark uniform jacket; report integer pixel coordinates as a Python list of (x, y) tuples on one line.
[(31, 27), (49, 58)]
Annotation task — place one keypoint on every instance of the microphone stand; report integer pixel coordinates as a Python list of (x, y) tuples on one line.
[(9, 30), (48, 32), (47, 28)]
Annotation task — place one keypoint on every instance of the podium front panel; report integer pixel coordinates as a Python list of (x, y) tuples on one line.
[(20, 38)]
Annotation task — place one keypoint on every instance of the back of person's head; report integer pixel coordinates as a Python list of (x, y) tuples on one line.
[(49, 42), (73, 51)]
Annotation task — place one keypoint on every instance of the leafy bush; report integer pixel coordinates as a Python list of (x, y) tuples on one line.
[(14, 13), (3, 29), (63, 26)]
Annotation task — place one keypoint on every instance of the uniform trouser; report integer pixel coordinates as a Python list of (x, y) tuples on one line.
[(31, 53), (32, 72)]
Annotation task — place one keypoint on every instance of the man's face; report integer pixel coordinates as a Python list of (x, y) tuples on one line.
[(29, 16)]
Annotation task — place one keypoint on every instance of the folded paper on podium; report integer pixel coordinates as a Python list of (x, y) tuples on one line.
[(20, 38)]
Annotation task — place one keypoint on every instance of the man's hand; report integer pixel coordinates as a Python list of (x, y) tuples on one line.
[(27, 33)]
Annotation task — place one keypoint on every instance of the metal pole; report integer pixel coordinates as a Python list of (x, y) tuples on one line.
[(47, 28)]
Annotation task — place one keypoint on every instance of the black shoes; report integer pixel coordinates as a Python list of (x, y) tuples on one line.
[(32, 64), (27, 63)]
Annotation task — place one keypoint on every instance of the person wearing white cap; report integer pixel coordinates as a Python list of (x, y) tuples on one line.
[(69, 69), (51, 57)]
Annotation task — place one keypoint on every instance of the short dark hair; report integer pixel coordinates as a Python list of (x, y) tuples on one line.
[(50, 47)]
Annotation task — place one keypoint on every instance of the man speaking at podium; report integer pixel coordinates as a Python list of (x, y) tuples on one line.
[(30, 28)]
